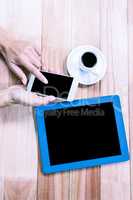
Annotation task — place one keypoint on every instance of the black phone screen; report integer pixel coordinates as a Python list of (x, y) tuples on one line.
[(58, 85), (81, 133)]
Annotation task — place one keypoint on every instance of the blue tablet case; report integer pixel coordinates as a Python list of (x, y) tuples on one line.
[(45, 123)]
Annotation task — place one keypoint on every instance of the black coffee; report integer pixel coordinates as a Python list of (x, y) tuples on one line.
[(89, 59)]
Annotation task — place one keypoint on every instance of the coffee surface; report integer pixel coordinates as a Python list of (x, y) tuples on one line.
[(89, 59)]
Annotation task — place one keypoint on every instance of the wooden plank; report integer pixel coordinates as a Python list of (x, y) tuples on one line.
[(58, 40), (15, 189), (19, 17), (66, 26), (18, 150), (18, 117), (45, 186), (56, 45), (1, 189), (63, 29), (85, 184), (130, 82), (115, 179)]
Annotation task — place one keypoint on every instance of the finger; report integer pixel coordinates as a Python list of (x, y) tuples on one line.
[(35, 60), (31, 99), (38, 50), (33, 69), (37, 100), (20, 96), (19, 73), (32, 54)]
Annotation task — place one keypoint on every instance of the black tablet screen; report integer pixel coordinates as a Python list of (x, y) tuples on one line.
[(58, 85), (81, 133)]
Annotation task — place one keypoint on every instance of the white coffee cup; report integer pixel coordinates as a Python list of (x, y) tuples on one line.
[(87, 63)]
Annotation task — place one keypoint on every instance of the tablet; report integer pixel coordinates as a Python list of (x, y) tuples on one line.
[(80, 134), (60, 86)]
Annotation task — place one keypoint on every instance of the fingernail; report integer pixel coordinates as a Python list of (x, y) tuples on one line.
[(45, 81), (24, 81)]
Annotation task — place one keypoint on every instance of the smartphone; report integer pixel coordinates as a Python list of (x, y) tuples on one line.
[(60, 86)]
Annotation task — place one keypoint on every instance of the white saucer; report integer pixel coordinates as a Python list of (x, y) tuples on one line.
[(94, 74)]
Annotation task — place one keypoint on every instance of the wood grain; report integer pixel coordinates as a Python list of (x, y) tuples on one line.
[(18, 148), (82, 186), (115, 179), (59, 26), (15, 189), (130, 85), (1, 188), (55, 42)]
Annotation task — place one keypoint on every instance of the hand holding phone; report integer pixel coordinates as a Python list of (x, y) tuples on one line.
[(60, 86)]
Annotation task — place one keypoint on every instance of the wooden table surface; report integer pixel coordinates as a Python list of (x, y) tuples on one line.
[(58, 26)]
